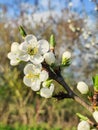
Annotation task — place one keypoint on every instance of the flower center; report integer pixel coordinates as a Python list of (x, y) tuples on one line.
[(32, 51), (32, 76)]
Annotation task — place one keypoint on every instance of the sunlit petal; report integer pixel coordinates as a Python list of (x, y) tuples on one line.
[(36, 85), (44, 46), (14, 46), (36, 59), (28, 68), (27, 81), (14, 62), (44, 75), (23, 46)]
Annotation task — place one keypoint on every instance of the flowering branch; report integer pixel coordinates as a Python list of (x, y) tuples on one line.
[(42, 69), (70, 93)]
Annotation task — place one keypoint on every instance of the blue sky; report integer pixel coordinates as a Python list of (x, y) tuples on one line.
[(56, 5)]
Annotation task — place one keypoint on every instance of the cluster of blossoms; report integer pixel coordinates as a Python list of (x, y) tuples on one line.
[(35, 52), (38, 53)]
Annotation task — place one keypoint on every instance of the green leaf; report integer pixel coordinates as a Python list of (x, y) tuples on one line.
[(82, 117)]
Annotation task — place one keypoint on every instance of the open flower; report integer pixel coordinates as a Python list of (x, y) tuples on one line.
[(47, 91), (33, 49), (82, 87), (34, 75), (83, 125), (14, 54)]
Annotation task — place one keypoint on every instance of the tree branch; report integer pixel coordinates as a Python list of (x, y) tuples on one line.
[(61, 81)]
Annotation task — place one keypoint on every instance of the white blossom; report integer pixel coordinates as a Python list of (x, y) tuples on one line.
[(95, 115), (33, 49), (82, 87), (34, 76), (47, 91), (49, 58), (83, 125), (14, 54)]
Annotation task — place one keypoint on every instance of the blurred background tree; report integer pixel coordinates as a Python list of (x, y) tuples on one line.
[(75, 26)]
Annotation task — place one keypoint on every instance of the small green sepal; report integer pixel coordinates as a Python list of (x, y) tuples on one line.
[(22, 31)]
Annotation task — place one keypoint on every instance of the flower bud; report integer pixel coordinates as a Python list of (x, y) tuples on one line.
[(95, 82), (82, 87), (83, 125), (66, 58), (49, 58), (95, 115), (52, 41)]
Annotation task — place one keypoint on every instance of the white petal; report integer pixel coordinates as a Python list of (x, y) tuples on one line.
[(30, 39), (27, 81), (52, 88), (24, 57), (44, 75), (95, 115), (36, 85), (12, 55), (28, 68), (14, 46), (83, 125), (45, 92), (44, 46), (36, 59), (23, 46), (82, 87), (37, 68), (49, 58), (14, 62)]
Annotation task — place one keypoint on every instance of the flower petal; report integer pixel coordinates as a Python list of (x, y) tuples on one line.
[(52, 88), (44, 46), (36, 59), (23, 46), (27, 81), (12, 55), (35, 86), (14, 62), (45, 92), (49, 58), (24, 57), (83, 125), (44, 75), (30, 39), (14, 47), (31, 68), (28, 68)]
